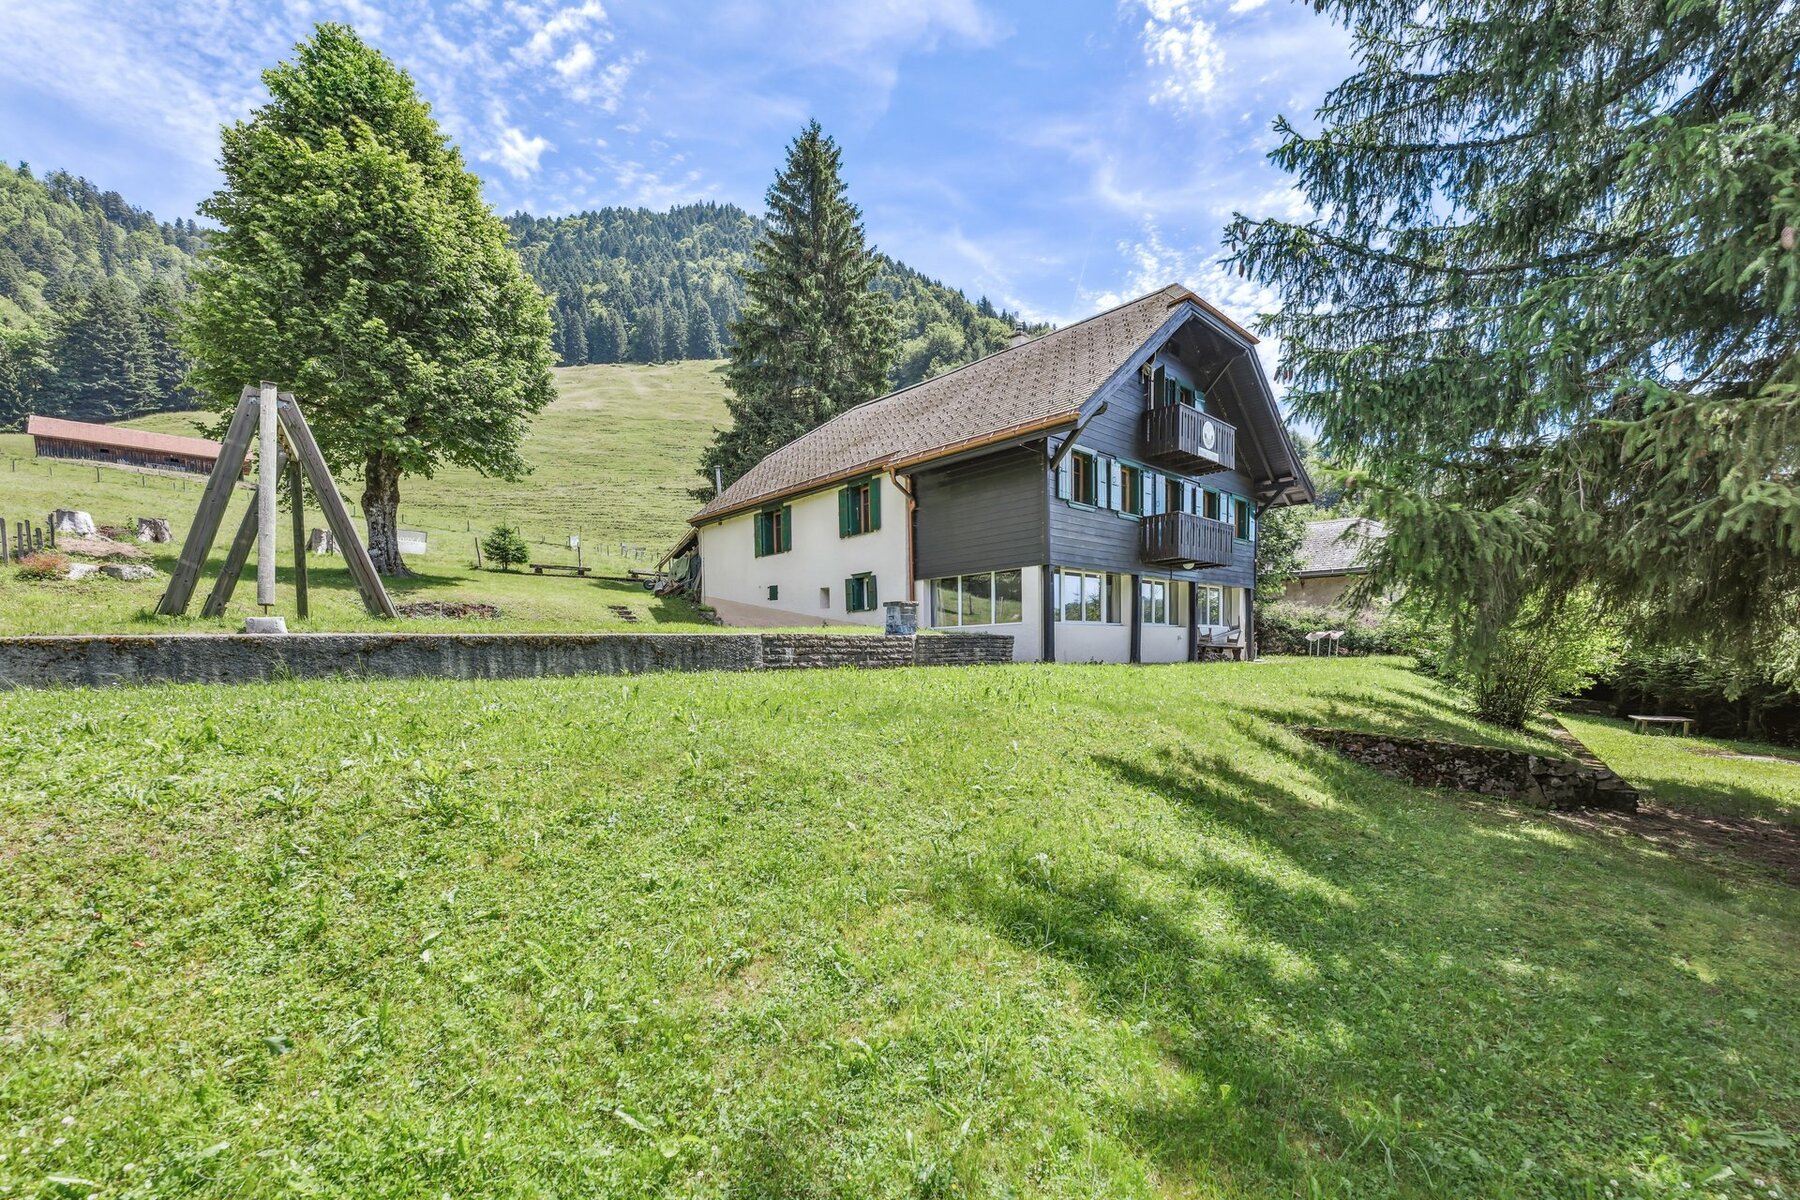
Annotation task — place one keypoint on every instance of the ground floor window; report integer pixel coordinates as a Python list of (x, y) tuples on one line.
[(1086, 597), (859, 593), (1210, 604), (1162, 602), (985, 598)]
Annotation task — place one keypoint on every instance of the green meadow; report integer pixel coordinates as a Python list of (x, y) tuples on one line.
[(1017, 931), (612, 458)]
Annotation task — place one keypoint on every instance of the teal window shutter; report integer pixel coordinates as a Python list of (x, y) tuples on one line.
[(870, 603), (874, 504), (759, 525), (1158, 386), (787, 527), (1146, 482), (850, 594), (1115, 483), (844, 512), (1065, 477)]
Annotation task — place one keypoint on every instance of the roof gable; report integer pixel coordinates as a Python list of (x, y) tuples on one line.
[(1040, 385), (120, 437), (1335, 547)]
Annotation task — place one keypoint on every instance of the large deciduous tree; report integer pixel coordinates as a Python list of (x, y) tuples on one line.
[(812, 338), (1550, 310), (357, 263)]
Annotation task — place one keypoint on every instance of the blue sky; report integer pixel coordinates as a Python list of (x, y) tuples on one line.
[(1055, 156)]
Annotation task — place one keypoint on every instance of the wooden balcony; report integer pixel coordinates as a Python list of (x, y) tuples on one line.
[(1186, 439), (1178, 538)]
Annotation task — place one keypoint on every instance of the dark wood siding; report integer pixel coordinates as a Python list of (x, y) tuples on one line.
[(1100, 539), (981, 514)]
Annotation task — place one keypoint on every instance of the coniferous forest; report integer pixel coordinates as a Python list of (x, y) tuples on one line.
[(90, 289)]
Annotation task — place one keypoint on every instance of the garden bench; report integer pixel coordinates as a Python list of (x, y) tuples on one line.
[(569, 568), (1642, 724)]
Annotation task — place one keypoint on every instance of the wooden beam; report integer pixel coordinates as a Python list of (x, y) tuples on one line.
[(362, 569), (223, 587), (211, 511), (297, 500), (268, 478)]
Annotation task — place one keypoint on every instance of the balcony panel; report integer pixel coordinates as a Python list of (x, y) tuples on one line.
[(1184, 438), (1177, 539)]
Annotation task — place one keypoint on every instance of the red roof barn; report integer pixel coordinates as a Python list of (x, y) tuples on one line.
[(57, 438)]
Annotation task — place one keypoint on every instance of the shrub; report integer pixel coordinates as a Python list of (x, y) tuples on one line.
[(44, 564), (1549, 650), (1725, 699), (505, 546), (1281, 628)]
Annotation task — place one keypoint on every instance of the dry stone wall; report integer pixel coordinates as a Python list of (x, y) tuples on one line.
[(1534, 779), (209, 658)]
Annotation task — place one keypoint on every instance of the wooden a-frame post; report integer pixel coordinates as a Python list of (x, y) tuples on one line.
[(267, 408)]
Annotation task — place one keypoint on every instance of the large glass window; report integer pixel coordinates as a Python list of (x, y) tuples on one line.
[(1131, 490), (1086, 597), (1210, 604), (987, 598), (1153, 601), (1085, 489)]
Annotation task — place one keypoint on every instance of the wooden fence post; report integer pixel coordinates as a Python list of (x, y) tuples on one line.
[(297, 498), (211, 511), (362, 568)]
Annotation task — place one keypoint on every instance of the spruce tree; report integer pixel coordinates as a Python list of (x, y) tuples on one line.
[(1550, 313), (357, 263), (812, 338), (647, 339), (104, 368), (575, 345), (161, 303), (703, 333)]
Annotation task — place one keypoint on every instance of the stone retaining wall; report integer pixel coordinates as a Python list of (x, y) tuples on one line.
[(1544, 782), (237, 658)]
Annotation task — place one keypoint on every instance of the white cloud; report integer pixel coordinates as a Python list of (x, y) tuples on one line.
[(1182, 53), (576, 62), (561, 24), (515, 153)]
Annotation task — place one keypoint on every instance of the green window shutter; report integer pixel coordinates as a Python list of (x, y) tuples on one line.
[(787, 527), (1158, 382), (850, 594), (844, 512), (760, 528), (870, 603), (875, 504), (1065, 477)]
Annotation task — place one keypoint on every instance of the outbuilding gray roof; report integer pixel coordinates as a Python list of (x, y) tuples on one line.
[(1040, 384), (1333, 547)]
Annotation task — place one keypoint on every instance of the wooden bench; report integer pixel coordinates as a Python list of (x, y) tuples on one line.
[(566, 568), (1642, 724)]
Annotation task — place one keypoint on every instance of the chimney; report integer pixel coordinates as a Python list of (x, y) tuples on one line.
[(1019, 337)]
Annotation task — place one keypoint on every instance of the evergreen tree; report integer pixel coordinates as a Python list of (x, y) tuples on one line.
[(104, 367), (647, 342), (357, 262), (1551, 311), (703, 334), (675, 332), (161, 303), (575, 344), (813, 338)]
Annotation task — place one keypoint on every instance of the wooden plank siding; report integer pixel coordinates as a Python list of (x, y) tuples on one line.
[(1102, 539), (981, 514)]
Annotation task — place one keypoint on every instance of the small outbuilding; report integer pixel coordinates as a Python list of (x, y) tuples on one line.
[(1332, 559), (54, 437)]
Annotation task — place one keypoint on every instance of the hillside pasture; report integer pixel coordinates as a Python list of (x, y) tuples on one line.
[(613, 457)]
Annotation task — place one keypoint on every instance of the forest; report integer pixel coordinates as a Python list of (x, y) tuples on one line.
[(91, 290)]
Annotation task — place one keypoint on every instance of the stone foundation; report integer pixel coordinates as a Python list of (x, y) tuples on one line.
[(1537, 780), (237, 658)]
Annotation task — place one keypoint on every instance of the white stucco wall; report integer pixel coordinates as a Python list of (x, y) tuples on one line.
[(1077, 641), (736, 581), (1027, 635), (1164, 643)]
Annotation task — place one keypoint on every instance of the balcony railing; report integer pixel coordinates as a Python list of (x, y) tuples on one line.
[(1188, 439), (1178, 538)]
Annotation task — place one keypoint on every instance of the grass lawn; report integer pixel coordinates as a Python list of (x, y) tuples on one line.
[(1045, 931), (613, 457), (1702, 775)]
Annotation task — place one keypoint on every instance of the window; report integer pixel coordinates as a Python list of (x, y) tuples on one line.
[(1083, 487), (1131, 490), (1086, 597), (1242, 522), (774, 592), (987, 598), (1210, 507), (859, 508), (774, 529), (859, 593), (1209, 604), (1153, 601), (1174, 491)]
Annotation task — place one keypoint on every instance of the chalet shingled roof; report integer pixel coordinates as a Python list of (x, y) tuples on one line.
[(1038, 385), (1335, 547)]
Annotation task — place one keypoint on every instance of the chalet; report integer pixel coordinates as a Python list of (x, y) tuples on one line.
[(1093, 492), (1333, 559), (54, 437)]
